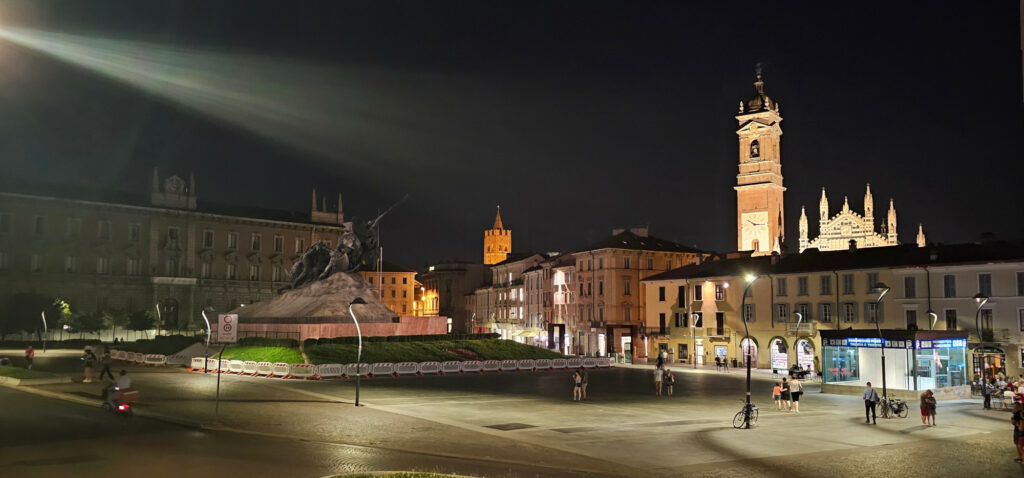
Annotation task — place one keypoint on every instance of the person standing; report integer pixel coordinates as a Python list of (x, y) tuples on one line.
[(1018, 431), (986, 393), (583, 383), (796, 389), (924, 408), (777, 396), (870, 400), (105, 360), (30, 353), (658, 375), (786, 395), (669, 380), (577, 386), (932, 405), (89, 360), (661, 361)]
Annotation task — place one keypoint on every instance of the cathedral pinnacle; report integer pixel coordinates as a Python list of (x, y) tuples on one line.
[(497, 219)]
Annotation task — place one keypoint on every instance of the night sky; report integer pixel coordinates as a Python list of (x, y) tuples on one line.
[(576, 117)]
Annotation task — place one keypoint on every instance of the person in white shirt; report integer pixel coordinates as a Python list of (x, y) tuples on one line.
[(123, 382), (658, 374)]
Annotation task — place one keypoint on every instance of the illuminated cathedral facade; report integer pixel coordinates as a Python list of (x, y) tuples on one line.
[(836, 232)]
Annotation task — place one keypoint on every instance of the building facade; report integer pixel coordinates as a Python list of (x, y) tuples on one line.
[(760, 224), (448, 291), (169, 251), (837, 232), (396, 286), (501, 306), (793, 298)]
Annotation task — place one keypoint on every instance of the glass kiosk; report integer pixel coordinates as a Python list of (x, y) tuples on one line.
[(915, 360)]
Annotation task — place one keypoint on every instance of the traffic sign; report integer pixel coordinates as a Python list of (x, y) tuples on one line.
[(227, 328)]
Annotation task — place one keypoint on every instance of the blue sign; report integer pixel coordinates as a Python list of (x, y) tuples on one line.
[(869, 342), (942, 344)]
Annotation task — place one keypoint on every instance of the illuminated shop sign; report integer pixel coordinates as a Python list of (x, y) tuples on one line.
[(869, 342), (942, 344)]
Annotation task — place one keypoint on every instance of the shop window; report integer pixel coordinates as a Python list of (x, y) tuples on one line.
[(840, 364)]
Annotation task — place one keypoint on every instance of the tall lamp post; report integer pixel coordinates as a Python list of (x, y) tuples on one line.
[(750, 278), (45, 331), (981, 300), (934, 318), (206, 351), (359, 351), (881, 289), (693, 335)]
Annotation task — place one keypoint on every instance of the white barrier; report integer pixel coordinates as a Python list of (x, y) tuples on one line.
[(198, 364), (589, 362), (301, 370), (604, 362), (558, 363), (249, 367), (351, 370), (491, 365), (211, 365), (329, 370), (527, 364), (542, 364), (265, 369), (281, 369), (225, 366), (509, 365), (430, 367), (472, 366), (155, 359), (117, 354), (574, 363), (407, 368), (451, 366), (236, 366), (382, 368)]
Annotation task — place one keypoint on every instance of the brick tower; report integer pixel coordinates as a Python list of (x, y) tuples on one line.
[(497, 242)]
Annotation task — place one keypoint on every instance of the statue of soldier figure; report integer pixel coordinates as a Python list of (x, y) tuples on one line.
[(357, 247)]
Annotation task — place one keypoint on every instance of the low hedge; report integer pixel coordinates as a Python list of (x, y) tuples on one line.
[(161, 344), (267, 342), (399, 338)]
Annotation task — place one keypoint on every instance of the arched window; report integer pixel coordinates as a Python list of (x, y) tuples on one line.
[(755, 149)]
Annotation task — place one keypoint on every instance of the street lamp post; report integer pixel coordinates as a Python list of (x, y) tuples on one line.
[(750, 278), (43, 313), (206, 351), (881, 289), (693, 335), (359, 351), (981, 300), (935, 318)]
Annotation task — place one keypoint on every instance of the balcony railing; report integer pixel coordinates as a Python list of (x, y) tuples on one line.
[(801, 329)]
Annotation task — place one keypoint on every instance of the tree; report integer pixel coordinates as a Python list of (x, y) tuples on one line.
[(115, 318), (58, 314), (141, 320), (89, 323)]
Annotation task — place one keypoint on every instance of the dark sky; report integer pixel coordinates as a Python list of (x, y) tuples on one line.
[(576, 117)]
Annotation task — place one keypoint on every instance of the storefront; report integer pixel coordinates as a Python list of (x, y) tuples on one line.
[(988, 361), (914, 360)]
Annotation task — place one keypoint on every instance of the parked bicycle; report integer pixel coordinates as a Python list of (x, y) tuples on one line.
[(747, 415), (893, 407)]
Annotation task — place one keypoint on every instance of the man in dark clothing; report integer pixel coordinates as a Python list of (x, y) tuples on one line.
[(870, 400), (106, 364)]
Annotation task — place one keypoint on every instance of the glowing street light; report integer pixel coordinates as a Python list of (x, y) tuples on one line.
[(359, 351), (881, 289), (981, 300), (750, 278)]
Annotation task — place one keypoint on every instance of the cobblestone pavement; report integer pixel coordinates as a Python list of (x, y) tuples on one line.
[(623, 429)]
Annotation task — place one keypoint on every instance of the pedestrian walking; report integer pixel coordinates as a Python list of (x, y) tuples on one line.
[(987, 389), (105, 360), (577, 386), (30, 353), (583, 383), (777, 396), (718, 364), (1018, 431), (796, 389), (870, 397), (89, 361), (932, 405), (661, 361), (670, 380), (658, 376), (787, 397), (924, 408)]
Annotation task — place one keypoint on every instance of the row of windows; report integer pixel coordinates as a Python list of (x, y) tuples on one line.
[(133, 267), (73, 229), (627, 287), (370, 279), (627, 263)]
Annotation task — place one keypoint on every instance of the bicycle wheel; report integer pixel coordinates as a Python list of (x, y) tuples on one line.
[(904, 411), (737, 421)]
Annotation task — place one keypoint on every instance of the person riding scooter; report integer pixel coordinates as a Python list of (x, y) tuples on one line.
[(114, 392)]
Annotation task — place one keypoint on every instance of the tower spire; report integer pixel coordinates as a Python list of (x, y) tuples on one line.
[(921, 242), (823, 206), (869, 205), (891, 229), (803, 228), (497, 219)]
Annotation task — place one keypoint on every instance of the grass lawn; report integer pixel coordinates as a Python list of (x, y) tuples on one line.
[(262, 354), (24, 373), (433, 351), (162, 344)]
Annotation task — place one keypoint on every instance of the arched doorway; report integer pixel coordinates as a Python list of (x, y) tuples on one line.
[(779, 351), (748, 350), (989, 362), (805, 354), (169, 314)]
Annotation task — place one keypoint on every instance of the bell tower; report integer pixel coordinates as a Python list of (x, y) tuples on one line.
[(759, 190), (497, 242)]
